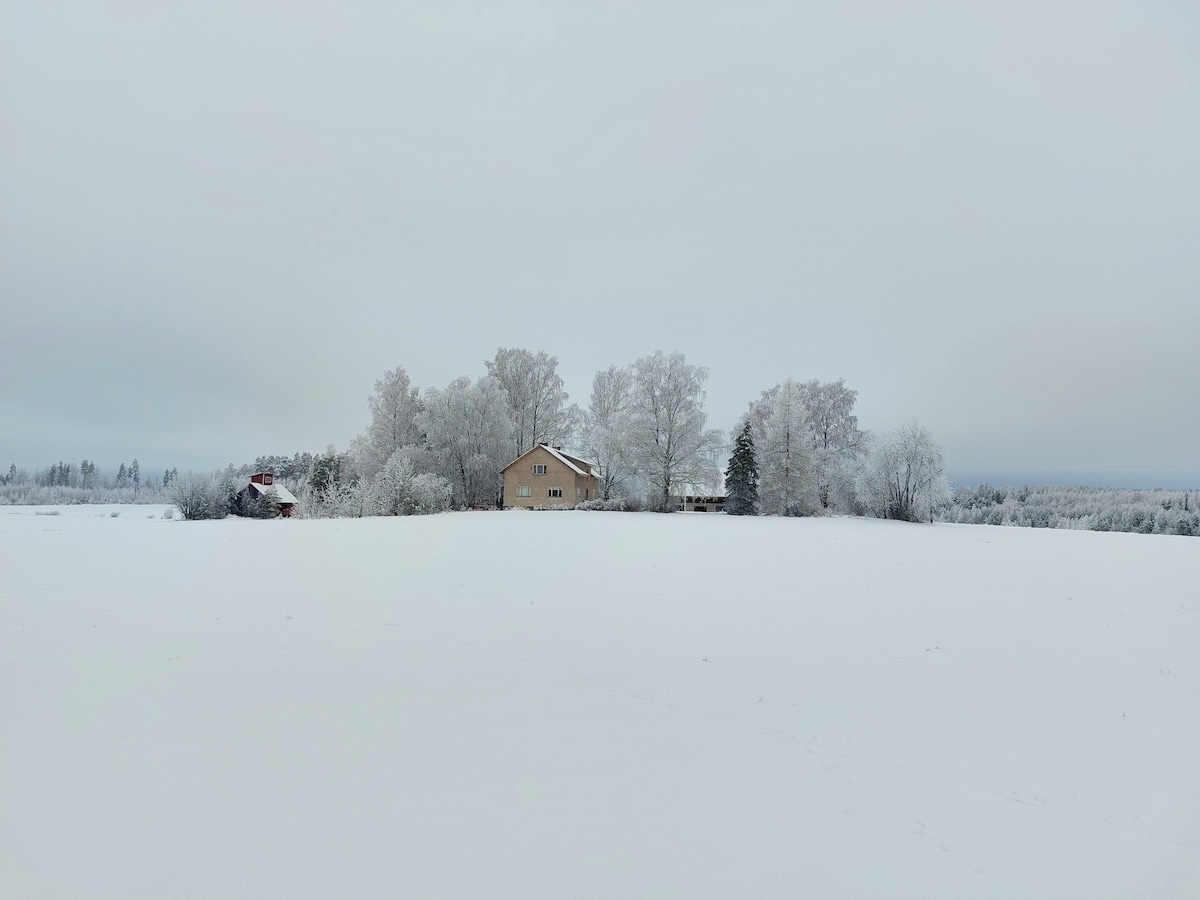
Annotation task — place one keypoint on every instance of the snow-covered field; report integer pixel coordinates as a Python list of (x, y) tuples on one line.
[(607, 705)]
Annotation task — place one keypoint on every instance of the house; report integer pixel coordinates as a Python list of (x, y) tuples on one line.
[(260, 484), (704, 504), (547, 478)]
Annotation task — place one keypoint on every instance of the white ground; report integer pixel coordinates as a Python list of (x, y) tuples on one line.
[(608, 705)]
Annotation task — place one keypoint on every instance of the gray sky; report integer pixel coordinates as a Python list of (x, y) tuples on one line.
[(221, 222)]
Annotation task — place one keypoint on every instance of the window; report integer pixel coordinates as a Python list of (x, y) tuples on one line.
[(539, 469), (524, 491), (554, 492)]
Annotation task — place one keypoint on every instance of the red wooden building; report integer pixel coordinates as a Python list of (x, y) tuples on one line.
[(261, 482)]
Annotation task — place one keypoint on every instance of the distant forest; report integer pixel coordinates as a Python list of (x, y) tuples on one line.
[(1084, 508)]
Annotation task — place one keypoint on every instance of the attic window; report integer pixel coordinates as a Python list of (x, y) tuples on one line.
[(539, 469)]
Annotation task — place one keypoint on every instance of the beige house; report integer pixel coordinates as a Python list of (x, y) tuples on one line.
[(547, 478)]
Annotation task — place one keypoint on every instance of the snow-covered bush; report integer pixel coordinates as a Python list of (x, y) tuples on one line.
[(902, 477), (199, 496), (398, 490), (30, 494), (617, 504), (264, 506)]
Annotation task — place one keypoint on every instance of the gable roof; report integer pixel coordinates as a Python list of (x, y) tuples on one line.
[(285, 496), (576, 465)]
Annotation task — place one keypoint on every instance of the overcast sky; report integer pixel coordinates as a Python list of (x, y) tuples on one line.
[(220, 223)]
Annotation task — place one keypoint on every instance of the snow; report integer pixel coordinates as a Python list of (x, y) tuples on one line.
[(284, 495), (526, 705)]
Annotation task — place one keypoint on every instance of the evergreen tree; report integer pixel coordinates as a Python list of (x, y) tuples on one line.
[(135, 474), (741, 477)]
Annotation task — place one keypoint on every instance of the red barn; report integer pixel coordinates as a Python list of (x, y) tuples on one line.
[(261, 482)]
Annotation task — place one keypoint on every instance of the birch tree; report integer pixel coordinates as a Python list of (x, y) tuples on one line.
[(668, 439), (787, 485), (535, 396), (395, 407), (606, 429), (836, 439), (468, 436)]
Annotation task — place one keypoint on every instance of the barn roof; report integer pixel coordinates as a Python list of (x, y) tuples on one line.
[(285, 496)]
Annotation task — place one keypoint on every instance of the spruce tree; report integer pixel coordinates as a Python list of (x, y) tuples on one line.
[(741, 477)]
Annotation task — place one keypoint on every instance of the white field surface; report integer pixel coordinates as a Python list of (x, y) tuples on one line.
[(608, 705)]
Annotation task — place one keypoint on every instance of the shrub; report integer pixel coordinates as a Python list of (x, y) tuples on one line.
[(199, 497), (616, 504)]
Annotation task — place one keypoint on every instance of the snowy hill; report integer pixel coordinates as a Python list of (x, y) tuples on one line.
[(556, 705)]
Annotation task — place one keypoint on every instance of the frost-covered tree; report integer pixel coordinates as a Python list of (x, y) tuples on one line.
[(537, 403), (135, 475), (903, 476), (836, 438), (605, 438), (395, 409), (741, 476), (330, 470), (787, 486), (668, 439), (199, 496), (834, 441), (399, 490), (468, 435)]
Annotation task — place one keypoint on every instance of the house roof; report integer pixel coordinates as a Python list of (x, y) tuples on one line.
[(285, 496), (574, 463)]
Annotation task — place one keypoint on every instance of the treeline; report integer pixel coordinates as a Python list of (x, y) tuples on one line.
[(644, 429), (798, 451), (1089, 509), (67, 483)]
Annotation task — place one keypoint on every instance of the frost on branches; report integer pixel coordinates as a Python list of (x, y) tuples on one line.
[(537, 402), (808, 440), (903, 476), (468, 433), (606, 430), (668, 440)]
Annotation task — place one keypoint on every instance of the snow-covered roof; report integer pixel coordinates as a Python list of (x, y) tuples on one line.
[(567, 461), (576, 465), (285, 496)]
